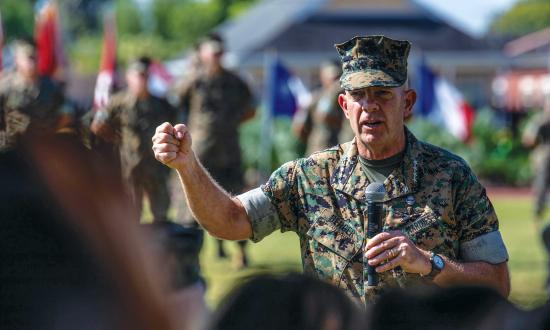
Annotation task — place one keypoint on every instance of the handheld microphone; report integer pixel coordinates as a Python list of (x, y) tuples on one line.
[(374, 193)]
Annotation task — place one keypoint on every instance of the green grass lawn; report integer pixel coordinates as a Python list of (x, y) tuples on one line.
[(280, 252), (528, 259)]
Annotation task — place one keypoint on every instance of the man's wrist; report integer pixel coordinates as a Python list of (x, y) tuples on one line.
[(189, 167), (437, 263), (427, 265)]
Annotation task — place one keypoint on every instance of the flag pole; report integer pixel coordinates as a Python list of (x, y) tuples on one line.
[(266, 127)]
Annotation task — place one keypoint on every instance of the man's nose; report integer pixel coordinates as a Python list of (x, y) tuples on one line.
[(368, 104)]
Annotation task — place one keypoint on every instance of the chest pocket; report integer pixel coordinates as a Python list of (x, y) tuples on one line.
[(335, 234), (424, 227)]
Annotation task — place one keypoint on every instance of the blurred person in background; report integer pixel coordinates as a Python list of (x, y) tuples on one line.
[(129, 120), (292, 301), (28, 101), (320, 123), (439, 227), (537, 137), (177, 249), (215, 102)]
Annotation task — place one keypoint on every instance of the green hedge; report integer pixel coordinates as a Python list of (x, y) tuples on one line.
[(495, 155)]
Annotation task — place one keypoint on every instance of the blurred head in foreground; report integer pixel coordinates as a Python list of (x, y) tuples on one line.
[(462, 307), (293, 301), (73, 256)]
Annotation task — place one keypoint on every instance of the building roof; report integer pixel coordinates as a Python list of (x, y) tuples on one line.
[(536, 41), (311, 27)]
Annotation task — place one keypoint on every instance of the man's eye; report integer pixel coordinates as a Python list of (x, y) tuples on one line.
[(383, 93), (356, 95)]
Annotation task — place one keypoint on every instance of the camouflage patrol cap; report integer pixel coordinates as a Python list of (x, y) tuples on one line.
[(140, 65), (373, 61)]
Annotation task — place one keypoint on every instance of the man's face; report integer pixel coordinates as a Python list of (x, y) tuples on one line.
[(26, 63), (377, 116), (137, 82), (209, 55)]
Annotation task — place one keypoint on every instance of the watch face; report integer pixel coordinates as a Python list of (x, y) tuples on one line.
[(438, 262)]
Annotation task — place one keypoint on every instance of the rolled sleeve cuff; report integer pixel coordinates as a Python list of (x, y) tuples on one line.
[(261, 212), (488, 248)]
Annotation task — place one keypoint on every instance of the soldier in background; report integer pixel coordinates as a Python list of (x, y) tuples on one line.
[(215, 102), (537, 136), (129, 120), (319, 124), (28, 101)]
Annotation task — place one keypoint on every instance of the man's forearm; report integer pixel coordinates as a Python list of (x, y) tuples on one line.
[(212, 206), (475, 273)]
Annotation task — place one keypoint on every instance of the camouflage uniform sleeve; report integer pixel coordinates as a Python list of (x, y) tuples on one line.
[(479, 239), (261, 213), (281, 189), (270, 207)]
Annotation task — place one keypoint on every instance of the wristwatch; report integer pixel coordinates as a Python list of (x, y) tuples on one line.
[(437, 265)]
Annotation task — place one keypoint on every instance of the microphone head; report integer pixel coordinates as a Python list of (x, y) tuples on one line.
[(375, 192)]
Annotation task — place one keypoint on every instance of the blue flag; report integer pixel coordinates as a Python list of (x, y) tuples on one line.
[(285, 92)]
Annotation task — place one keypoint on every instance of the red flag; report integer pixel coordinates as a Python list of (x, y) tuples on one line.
[(51, 58), (107, 71)]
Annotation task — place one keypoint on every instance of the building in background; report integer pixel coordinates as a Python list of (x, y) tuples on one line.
[(304, 31)]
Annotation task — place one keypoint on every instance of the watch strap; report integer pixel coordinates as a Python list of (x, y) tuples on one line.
[(435, 270)]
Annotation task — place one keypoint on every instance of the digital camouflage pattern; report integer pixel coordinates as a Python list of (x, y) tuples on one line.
[(135, 122), (214, 106), (27, 106), (373, 61), (434, 198)]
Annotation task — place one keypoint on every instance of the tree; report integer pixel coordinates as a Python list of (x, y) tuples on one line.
[(17, 18), (82, 16), (127, 18), (524, 17)]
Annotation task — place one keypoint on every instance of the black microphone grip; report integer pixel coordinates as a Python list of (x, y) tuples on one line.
[(374, 227)]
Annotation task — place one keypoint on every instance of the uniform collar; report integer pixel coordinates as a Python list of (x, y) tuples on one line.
[(349, 178)]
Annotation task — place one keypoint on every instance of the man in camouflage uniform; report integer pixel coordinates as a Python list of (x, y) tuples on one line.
[(129, 120), (28, 102), (215, 102), (440, 226), (537, 136), (319, 124)]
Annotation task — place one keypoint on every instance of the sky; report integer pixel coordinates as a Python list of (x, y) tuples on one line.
[(472, 16)]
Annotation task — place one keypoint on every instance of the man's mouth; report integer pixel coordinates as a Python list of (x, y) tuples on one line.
[(372, 123)]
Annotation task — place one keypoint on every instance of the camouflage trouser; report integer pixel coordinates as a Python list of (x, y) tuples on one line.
[(155, 186), (540, 185)]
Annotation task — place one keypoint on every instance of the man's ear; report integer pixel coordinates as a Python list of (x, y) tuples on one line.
[(343, 102), (410, 100)]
